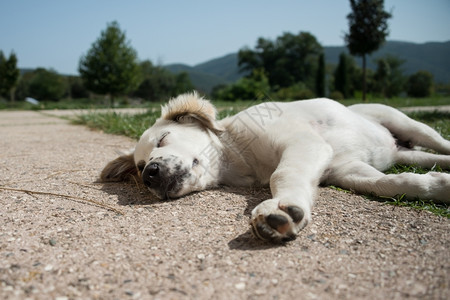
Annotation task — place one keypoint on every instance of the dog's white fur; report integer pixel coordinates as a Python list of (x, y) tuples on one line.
[(293, 147)]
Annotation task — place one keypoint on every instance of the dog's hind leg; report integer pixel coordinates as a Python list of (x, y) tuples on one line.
[(423, 159), (408, 131), (363, 178)]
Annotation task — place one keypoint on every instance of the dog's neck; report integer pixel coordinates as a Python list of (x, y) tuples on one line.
[(234, 170)]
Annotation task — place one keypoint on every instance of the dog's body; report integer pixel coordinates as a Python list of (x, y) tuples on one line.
[(290, 146)]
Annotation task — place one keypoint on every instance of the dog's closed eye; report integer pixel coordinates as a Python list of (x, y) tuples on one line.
[(161, 140)]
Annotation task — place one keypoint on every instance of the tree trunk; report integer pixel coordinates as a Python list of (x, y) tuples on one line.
[(364, 77), (12, 95)]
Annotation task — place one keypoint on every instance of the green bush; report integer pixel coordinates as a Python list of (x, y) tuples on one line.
[(336, 95), (298, 91), (420, 84), (248, 88)]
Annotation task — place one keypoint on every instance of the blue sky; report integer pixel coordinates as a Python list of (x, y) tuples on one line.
[(55, 33)]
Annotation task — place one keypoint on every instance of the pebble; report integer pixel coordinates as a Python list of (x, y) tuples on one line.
[(240, 285), (48, 268)]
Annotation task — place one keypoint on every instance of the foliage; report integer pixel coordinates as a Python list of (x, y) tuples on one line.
[(286, 61), (297, 91), (388, 78), (76, 89), (367, 29), (342, 76), (110, 66), (442, 88), (9, 75), (159, 84), (43, 84), (337, 95), (420, 84), (320, 77), (347, 76), (428, 56), (248, 88)]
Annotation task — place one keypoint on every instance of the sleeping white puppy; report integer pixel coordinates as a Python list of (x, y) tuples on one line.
[(291, 146)]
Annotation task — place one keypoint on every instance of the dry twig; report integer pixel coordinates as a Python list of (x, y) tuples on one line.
[(64, 196)]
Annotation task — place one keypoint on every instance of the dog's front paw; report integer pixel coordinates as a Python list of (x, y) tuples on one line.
[(271, 220)]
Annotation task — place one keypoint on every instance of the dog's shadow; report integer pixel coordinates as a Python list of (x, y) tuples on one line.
[(247, 241), (133, 192)]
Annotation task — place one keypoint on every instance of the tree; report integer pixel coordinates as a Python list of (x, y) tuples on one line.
[(367, 30), (420, 84), (253, 87), (388, 78), (47, 85), (110, 66), (320, 77), (76, 89), (158, 83), (342, 76), (286, 61), (9, 75)]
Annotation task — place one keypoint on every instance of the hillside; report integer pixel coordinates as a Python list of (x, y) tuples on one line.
[(433, 57)]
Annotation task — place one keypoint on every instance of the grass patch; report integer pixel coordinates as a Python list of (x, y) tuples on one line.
[(439, 209), (83, 103), (121, 124), (134, 125), (403, 102)]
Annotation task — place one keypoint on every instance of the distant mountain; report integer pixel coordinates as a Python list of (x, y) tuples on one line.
[(205, 76), (433, 57), (203, 81)]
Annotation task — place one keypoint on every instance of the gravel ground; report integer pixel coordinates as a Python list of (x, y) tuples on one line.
[(120, 243)]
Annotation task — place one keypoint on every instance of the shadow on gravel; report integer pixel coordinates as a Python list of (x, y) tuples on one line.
[(247, 241), (133, 193), (253, 197), (129, 193)]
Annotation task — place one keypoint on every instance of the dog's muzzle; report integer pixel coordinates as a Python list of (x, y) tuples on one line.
[(162, 180)]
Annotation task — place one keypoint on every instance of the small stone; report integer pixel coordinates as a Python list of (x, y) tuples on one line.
[(48, 268), (52, 242), (240, 285)]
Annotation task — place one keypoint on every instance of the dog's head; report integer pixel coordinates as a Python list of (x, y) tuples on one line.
[(179, 154)]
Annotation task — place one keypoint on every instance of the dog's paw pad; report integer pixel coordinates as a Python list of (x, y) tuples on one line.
[(274, 227), (296, 213), (278, 222)]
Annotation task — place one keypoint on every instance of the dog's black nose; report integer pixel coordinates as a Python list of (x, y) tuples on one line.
[(150, 176)]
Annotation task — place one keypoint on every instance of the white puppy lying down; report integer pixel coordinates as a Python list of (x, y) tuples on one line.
[(290, 146)]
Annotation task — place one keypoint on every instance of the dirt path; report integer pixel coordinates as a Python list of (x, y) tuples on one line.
[(198, 247)]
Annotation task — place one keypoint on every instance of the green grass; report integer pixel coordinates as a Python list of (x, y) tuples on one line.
[(402, 101), (120, 124), (83, 103), (134, 125)]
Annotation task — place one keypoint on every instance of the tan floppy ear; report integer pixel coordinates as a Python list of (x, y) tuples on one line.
[(190, 107), (119, 169)]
